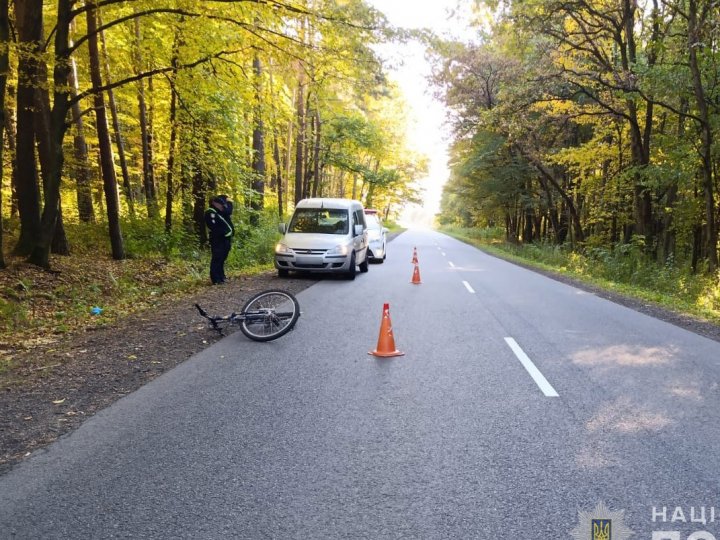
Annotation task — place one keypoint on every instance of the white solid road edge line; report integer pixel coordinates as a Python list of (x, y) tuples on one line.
[(468, 287), (532, 369)]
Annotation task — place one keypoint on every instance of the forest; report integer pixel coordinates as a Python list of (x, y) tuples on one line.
[(122, 118), (589, 124)]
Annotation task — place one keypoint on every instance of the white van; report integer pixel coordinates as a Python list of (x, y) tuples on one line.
[(324, 235)]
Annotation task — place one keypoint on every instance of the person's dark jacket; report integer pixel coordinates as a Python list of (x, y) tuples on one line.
[(219, 222)]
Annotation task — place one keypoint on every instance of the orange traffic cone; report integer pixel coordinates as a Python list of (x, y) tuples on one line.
[(386, 342), (414, 259), (416, 276)]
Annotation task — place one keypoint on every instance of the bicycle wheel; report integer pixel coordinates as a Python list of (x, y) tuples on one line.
[(269, 315)]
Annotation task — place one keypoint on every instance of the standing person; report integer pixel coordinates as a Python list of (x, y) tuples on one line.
[(218, 221)]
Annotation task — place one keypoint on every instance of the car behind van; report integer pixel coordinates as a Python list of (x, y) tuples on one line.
[(324, 235), (377, 236)]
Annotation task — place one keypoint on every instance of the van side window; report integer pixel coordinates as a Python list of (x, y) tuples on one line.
[(360, 218)]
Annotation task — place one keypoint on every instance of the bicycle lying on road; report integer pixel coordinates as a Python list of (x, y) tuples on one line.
[(266, 316)]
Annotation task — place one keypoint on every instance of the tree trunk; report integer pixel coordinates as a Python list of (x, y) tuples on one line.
[(354, 185), (10, 139), (127, 188), (288, 162), (668, 233), (60, 244), (190, 170), (258, 145), (309, 136), (529, 214), (316, 154), (369, 202), (145, 131), (639, 145), (106, 159), (173, 134), (300, 138), (4, 67), (40, 254), (706, 135), (29, 17), (199, 191), (279, 176), (86, 212), (578, 233), (696, 248), (552, 211)]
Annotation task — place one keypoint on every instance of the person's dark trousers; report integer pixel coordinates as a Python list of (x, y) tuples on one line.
[(219, 250)]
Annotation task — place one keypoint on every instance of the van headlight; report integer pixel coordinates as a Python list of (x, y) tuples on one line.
[(282, 249), (341, 249)]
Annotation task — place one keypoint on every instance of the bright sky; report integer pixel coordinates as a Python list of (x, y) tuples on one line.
[(426, 132)]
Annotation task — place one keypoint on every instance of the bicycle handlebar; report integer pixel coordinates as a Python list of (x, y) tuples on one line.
[(202, 311), (213, 320)]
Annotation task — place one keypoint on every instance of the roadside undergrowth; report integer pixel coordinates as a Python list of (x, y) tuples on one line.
[(88, 290)]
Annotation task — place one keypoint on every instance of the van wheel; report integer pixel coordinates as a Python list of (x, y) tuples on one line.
[(283, 273), (351, 271), (364, 265)]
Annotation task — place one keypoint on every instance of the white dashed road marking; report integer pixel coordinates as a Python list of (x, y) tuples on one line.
[(532, 369)]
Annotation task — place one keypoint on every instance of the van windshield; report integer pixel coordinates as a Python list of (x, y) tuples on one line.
[(319, 220)]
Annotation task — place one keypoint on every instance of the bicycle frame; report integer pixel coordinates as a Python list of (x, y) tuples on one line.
[(258, 320), (216, 322)]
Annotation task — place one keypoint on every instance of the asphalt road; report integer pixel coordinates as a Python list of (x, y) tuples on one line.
[(519, 402)]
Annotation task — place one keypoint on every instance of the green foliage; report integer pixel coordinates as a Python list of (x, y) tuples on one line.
[(12, 313), (146, 238), (203, 57), (485, 235), (164, 265), (253, 246), (606, 119)]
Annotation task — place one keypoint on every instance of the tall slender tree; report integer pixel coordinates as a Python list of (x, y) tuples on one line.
[(697, 19), (106, 158), (60, 244), (258, 145), (40, 254), (146, 131), (174, 128), (4, 68), (29, 26), (127, 188), (81, 170)]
